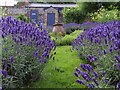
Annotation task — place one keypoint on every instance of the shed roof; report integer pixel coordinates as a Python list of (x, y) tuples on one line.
[(51, 5)]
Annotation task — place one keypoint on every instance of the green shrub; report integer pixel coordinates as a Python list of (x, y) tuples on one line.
[(79, 13), (22, 17), (104, 15), (76, 33), (67, 39), (73, 15)]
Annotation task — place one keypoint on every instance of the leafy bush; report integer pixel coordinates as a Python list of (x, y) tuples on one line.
[(79, 13), (22, 17), (104, 15), (100, 46), (25, 52), (67, 39), (73, 15)]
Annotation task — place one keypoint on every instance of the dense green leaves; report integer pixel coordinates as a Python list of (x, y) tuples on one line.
[(22, 17), (81, 12), (104, 15)]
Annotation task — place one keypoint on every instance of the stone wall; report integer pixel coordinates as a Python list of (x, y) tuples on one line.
[(15, 11), (42, 12)]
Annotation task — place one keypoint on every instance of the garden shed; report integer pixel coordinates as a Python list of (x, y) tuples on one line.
[(38, 12), (47, 13)]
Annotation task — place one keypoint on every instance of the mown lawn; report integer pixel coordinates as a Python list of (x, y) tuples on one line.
[(60, 72)]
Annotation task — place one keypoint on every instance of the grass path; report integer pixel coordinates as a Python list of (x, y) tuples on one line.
[(60, 72)]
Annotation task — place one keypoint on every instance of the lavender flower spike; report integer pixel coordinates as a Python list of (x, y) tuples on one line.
[(118, 85), (80, 82)]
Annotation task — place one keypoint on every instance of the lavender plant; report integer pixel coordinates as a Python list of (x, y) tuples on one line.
[(25, 52), (100, 46), (71, 27)]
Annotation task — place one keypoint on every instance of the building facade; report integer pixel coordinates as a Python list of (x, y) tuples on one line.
[(48, 14)]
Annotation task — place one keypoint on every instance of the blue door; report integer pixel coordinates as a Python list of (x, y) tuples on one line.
[(34, 16), (50, 19)]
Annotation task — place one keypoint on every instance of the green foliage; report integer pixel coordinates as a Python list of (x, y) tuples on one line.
[(22, 17), (73, 15), (80, 13), (104, 15), (67, 39)]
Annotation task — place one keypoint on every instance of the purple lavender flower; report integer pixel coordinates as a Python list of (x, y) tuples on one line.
[(103, 73), (76, 74), (5, 63), (117, 58), (105, 81), (104, 51), (83, 67), (106, 42), (115, 47), (37, 52), (89, 67), (11, 59), (0, 71), (118, 85), (86, 76), (78, 70), (3, 35), (119, 66), (111, 50), (80, 81), (95, 74), (42, 60), (5, 74), (91, 86), (92, 58), (95, 81), (0, 87)]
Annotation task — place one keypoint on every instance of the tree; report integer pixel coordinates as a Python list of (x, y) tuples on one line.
[(81, 12)]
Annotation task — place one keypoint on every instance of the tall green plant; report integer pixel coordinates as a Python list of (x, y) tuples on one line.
[(22, 17)]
